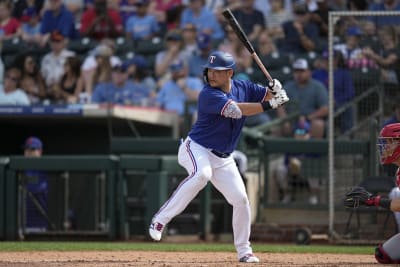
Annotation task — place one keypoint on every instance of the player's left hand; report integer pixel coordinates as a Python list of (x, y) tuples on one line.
[(275, 86), (359, 196)]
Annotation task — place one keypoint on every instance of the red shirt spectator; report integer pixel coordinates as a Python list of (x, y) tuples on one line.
[(100, 22), (8, 25)]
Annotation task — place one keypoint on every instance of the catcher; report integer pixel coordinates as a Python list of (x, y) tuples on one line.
[(389, 151)]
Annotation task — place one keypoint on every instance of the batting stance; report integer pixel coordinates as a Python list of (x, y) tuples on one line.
[(389, 151), (223, 105)]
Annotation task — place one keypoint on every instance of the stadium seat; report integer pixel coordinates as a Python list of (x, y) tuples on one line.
[(123, 46), (275, 60), (149, 47), (82, 46), (364, 78)]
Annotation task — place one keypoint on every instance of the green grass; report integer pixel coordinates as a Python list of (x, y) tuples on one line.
[(152, 246)]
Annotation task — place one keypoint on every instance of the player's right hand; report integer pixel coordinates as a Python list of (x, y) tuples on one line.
[(274, 86), (279, 99)]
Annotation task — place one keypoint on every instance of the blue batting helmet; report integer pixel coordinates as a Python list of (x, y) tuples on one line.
[(219, 60)]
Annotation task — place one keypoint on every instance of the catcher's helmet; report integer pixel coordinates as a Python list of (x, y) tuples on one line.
[(219, 60), (389, 143)]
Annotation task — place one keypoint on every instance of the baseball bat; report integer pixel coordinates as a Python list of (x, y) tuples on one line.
[(227, 13)]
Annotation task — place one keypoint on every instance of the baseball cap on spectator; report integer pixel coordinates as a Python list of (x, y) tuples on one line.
[(176, 65), (353, 31), (302, 128), (138, 61), (120, 68), (173, 36), (102, 50), (203, 40), (33, 142), (300, 64), (56, 36), (28, 13)]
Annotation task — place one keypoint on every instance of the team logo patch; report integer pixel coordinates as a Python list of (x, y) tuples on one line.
[(212, 58)]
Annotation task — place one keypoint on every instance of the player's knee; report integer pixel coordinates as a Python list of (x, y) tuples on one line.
[(382, 257), (205, 173), (240, 201)]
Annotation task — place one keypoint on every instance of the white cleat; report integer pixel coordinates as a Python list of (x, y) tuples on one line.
[(155, 230), (249, 258)]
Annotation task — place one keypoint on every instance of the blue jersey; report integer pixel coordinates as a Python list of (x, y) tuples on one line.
[(214, 131)]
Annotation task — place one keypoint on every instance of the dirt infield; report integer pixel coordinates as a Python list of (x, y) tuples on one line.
[(172, 259)]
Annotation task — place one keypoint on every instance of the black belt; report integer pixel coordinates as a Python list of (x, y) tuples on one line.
[(220, 154)]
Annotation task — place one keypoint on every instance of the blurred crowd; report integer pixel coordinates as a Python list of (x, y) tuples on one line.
[(151, 53)]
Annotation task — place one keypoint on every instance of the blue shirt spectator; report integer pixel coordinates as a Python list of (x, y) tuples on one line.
[(120, 90), (142, 25), (392, 5), (176, 91), (197, 14), (59, 18)]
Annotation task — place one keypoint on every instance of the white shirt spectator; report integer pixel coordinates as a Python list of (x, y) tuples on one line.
[(52, 66), (14, 98)]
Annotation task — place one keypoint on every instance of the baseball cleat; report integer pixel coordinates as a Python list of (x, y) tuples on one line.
[(249, 258), (155, 230)]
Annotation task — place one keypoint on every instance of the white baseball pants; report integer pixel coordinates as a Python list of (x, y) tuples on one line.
[(202, 167)]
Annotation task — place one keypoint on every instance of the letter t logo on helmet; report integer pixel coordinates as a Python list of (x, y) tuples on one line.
[(212, 58), (219, 60)]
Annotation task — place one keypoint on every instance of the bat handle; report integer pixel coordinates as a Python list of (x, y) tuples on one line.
[(262, 67)]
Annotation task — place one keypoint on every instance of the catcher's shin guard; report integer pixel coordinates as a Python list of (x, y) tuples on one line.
[(382, 257)]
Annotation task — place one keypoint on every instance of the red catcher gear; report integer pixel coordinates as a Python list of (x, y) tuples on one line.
[(389, 143), (382, 257)]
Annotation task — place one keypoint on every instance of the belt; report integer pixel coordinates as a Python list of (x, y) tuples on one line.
[(220, 154)]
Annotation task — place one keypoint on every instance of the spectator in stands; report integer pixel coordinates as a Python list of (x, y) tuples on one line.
[(234, 46), (352, 51), (370, 35), (139, 73), (251, 19), (126, 9), (385, 5), (141, 26), (388, 59), (32, 81), (30, 27), (189, 34), (106, 48), (276, 17), (395, 117), (309, 97), (198, 14), (76, 7), (120, 90), (301, 34), (288, 173), (101, 22), (9, 26), (20, 6), (199, 59), (167, 12), (10, 93), (57, 18), (344, 90), (320, 17), (36, 186), (179, 89), (217, 10), (102, 72), (172, 51), (70, 86), (52, 65)]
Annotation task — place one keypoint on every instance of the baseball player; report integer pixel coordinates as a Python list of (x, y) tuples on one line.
[(389, 151), (223, 105)]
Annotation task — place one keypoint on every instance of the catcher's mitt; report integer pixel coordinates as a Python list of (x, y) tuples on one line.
[(358, 196)]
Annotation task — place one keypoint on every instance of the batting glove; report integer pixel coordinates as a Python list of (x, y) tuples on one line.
[(274, 86), (279, 99)]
